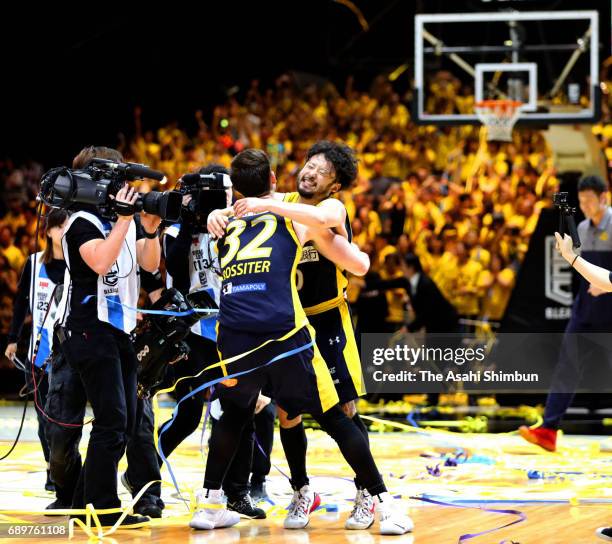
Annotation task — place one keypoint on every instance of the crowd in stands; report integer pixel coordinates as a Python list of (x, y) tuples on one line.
[(465, 207)]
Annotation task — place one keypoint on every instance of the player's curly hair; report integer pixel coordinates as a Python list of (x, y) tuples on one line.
[(342, 158)]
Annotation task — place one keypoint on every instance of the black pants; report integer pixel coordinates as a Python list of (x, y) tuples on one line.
[(143, 466), (42, 390), (203, 353), (580, 352), (264, 436), (106, 363), (66, 404)]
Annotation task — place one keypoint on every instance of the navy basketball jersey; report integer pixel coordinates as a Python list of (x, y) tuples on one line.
[(321, 284), (258, 257)]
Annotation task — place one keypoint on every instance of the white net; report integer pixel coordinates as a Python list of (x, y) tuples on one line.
[(499, 116)]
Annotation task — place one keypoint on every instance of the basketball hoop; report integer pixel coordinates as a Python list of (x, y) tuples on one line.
[(499, 116)]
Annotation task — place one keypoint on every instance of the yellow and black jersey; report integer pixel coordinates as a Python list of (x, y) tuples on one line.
[(321, 284), (259, 256)]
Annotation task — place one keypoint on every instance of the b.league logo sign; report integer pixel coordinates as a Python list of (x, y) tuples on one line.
[(558, 280)]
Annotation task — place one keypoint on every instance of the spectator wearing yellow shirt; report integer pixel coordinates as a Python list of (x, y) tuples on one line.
[(445, 273), (13, 254), (360, 236), (465, 292), (432, 253), (396, 298), (15, 218), (370, 221), (8, 290), (475, 249), (496, 285)]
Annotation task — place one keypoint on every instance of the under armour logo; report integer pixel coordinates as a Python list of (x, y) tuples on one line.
[(332, 341)]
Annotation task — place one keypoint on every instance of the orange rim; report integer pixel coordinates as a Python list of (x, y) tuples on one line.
[(498, 104)]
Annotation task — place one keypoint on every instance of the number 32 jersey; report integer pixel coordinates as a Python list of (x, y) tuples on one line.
[(259, 256)]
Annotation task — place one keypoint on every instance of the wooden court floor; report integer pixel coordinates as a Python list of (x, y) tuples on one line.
[(546, 524), (565, 506)]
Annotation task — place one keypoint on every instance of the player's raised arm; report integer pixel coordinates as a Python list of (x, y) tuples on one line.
[(329, 214), (218, 220)]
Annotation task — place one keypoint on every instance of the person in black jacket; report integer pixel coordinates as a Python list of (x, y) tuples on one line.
[(432, 311)]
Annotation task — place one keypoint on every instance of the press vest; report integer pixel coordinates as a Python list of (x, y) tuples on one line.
[(118, 290)]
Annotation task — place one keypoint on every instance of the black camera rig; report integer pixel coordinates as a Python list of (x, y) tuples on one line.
[(566, 217), (93, 185), (208, 193), (159, 339)]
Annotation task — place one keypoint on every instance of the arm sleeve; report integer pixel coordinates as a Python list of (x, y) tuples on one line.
[(81, 232), (422, 311), (21, 306), (397, 283)]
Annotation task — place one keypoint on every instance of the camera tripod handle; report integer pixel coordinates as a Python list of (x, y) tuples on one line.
[(573, 231)]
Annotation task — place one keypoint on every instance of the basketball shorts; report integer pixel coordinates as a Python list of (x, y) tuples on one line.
[(299, 382), (336, 342)]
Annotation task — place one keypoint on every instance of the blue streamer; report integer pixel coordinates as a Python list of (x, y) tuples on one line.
[(156, 312), (410, 419), (452, 500)]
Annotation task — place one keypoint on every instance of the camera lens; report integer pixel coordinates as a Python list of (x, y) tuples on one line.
[(166, 205)]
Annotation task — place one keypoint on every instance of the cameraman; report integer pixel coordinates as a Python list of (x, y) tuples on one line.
[(192, 265), (65, 409), (102, 258)]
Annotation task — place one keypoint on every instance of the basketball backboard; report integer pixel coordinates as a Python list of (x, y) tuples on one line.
[(549, 60)]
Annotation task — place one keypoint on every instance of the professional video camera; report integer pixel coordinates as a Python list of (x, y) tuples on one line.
[(159, 339), (207, 194), (94, 185), (566, 217)]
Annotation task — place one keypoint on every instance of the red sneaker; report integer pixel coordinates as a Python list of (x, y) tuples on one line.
[(543, 437)]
